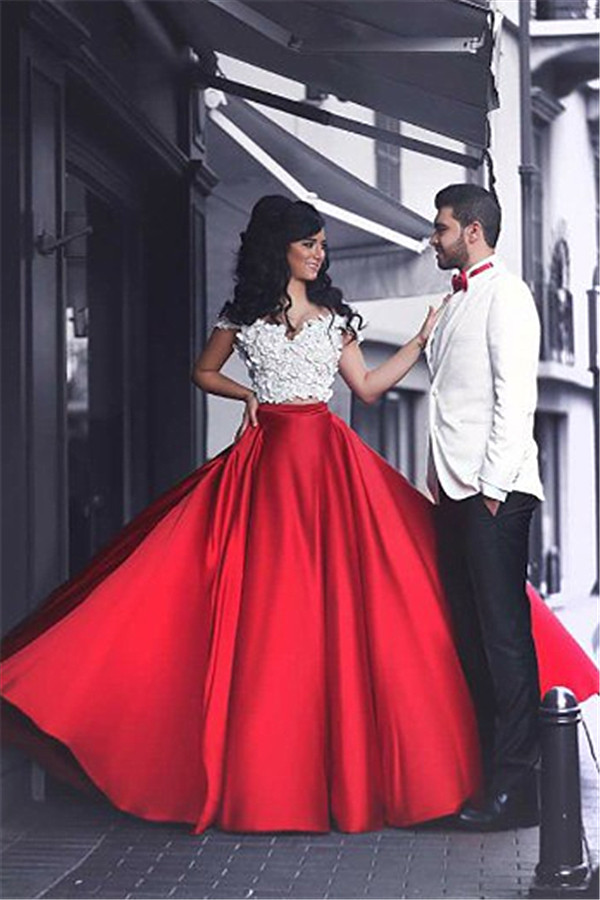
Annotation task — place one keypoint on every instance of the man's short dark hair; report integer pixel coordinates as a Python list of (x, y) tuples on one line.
[(471, 203)]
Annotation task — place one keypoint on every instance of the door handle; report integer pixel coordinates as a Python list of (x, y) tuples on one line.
[(46, 243)]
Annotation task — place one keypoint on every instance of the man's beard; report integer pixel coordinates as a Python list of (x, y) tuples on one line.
[(455, 257)]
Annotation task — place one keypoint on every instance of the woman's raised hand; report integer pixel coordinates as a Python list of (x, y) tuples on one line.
[(250, 416), (429, 323)]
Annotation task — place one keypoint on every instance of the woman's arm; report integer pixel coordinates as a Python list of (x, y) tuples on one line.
[(207, 368), (207, 375), (370, 384)]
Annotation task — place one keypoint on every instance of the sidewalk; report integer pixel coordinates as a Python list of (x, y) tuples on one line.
[(70, 847)]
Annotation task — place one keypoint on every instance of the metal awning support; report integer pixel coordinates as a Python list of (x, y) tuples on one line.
[(292, 184), (323, 117)]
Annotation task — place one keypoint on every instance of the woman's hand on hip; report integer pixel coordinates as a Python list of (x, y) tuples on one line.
[(250, 416)]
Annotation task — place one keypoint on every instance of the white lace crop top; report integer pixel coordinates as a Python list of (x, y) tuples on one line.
[(282, 369)]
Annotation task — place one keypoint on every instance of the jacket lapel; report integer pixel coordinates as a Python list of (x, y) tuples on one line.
[(453, 316), (431, 345), (449, 325)]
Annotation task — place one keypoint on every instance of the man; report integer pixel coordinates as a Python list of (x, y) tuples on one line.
[(483, 474)]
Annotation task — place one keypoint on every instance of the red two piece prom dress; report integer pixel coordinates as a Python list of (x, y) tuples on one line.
[(267, 647)]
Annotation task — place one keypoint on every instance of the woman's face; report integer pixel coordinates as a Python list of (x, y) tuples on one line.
[(306, 257)]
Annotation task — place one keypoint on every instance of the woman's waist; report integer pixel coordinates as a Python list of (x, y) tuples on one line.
[(293, 408), (298, 434)]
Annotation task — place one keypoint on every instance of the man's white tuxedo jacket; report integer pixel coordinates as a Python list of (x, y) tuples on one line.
[(483, 358)]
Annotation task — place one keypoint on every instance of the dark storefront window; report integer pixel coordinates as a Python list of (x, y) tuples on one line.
[(94, 372), (560, 307), (545, 549), (565, 9), (388, 426)]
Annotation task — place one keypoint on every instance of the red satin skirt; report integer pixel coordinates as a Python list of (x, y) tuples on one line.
[(267, 647)]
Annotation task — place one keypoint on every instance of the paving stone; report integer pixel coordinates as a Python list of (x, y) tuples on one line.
[(345, 893), (301, 893)]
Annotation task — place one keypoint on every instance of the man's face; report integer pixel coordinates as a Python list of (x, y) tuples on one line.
[(448, 241)]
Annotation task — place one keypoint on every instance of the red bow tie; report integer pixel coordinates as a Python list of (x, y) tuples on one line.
[(461, 280)]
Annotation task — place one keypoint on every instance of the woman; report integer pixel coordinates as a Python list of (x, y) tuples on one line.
[(267, 647)]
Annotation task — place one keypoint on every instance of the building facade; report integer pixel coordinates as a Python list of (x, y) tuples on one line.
[(564, 106), (103, 289), (123, 199)]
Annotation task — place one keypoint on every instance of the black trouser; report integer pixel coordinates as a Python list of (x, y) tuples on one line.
[(483, 564)]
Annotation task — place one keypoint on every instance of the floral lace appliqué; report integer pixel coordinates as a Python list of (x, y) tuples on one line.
[(282, 369)]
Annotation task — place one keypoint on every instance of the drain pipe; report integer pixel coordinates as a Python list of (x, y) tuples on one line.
[(527, 169)]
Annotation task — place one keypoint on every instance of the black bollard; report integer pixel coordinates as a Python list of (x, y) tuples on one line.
[(561, 871)]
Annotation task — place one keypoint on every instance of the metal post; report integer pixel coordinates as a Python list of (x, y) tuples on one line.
[(561, 871)]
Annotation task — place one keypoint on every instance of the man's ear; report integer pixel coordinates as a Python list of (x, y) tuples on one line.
[(474, 232)]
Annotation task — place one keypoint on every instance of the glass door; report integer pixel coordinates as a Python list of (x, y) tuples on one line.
[(95, 288)]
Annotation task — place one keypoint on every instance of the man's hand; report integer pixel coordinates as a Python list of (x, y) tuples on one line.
[(249, 417), (492, 505)]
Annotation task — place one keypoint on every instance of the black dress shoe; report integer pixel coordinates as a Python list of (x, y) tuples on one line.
[(501, 811)]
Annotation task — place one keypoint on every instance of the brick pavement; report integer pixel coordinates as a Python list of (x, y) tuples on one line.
[(121, 857), (72, 847)]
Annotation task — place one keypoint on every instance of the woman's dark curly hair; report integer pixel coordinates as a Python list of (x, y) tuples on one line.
[(262, 273)]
